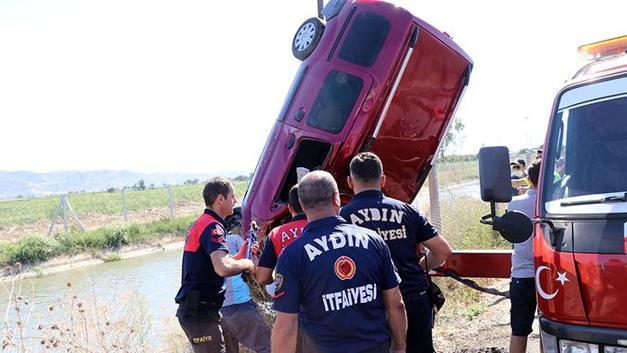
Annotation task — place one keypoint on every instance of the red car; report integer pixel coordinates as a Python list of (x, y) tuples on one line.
[(373, 78)]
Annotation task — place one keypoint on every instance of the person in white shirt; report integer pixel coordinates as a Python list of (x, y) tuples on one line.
[(522, 286)]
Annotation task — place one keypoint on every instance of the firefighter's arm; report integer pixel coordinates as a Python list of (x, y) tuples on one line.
[(263, 275), (284, 333), (225, 265), (267, 262), (397, 320), (439, 251)]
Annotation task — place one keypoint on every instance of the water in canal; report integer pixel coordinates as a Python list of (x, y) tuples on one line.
[(153, 279)]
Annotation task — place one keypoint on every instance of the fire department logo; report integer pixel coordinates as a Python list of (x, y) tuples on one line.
[(345, 268), (278, 282)]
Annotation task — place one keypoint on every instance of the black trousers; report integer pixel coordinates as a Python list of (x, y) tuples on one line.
[(419, 323), (522, 294), (202, 328)]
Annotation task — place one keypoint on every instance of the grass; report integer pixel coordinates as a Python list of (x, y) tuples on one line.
[(74, 322), (33, 210), (457, 172), (35, 248), (461, 227)]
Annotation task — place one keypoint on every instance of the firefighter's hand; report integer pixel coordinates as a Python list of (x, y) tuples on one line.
[(255, 249), (247, 266), (397, 350)]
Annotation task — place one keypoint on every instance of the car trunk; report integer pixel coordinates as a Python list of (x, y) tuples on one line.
[(419, 113)]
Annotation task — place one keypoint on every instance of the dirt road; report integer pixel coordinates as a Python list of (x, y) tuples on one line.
[(489, 331)]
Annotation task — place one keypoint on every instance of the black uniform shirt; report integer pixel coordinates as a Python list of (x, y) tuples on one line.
[(204, 237), (400, 225)]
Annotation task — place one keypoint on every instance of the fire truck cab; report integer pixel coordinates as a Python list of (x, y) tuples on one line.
[(580, 224)]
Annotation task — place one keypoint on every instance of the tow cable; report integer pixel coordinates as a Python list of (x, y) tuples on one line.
[(470, 283)]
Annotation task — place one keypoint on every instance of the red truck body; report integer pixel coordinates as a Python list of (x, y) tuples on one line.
[(581, 228)]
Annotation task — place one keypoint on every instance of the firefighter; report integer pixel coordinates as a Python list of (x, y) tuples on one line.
[(522, 286), (205, 264), (402, 228), (279, 238), (338, 280)]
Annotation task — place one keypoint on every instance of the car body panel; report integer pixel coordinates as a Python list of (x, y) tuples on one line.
[(417, 117)]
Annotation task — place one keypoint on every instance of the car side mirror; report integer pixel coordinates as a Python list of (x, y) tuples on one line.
[(496, 186)]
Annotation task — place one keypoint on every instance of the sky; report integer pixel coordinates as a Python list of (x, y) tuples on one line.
[(195, 86)]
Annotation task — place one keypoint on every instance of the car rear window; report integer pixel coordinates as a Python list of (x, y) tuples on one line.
[(365, 39), (335, 101)]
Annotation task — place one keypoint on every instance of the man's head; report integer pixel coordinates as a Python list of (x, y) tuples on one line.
[(539, 154), (517, 168), (522, 162), (219, 196), (366, 172), (534, 172), (319, 195), (234, 222), (294, 201)]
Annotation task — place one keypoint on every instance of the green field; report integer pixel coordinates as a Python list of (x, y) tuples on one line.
[(33, 210), (457, 172)]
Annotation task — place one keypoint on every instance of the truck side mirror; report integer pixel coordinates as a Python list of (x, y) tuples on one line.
[(494, 174), (496, 186), (514, 226)]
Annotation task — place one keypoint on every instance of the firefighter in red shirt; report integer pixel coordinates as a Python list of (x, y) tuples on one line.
[(279, 238)]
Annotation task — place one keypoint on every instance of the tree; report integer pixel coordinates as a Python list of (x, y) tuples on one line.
[(453, 136), (140, 185), (191, 181), (242, 178)]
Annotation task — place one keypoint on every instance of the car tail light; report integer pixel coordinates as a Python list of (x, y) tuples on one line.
[(604, 48)]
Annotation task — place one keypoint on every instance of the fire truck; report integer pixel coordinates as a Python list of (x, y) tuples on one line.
[(376, 78), (580, 223)]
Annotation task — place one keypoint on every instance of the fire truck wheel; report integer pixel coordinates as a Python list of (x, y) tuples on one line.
[(307, 37)]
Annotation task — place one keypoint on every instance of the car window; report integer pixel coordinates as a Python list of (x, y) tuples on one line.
[(365, 39), (335, 101), (290, 94)]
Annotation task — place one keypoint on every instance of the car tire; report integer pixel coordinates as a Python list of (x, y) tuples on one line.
[(307, 37)]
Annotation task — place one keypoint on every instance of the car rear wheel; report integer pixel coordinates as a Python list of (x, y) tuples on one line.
[(307, 37)]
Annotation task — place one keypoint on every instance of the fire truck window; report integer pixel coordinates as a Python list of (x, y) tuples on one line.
[(335, 101), (365, 39), (590, 156)]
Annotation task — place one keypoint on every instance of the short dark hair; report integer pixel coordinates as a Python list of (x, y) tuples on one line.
[(294, 200), (521, 162), (214, 187), (316, 189), (534, 172), (366, 167)]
